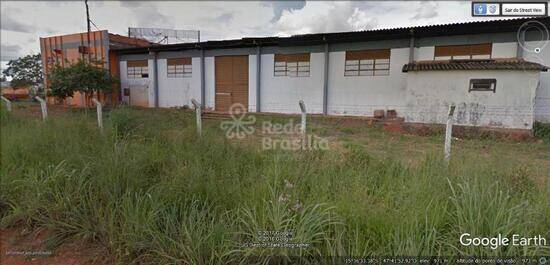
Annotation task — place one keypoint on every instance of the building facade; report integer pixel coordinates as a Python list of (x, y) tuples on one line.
[(493, 71), (96, 46)]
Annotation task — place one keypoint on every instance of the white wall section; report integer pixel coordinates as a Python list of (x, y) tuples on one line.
[(177, 92), (282, 93), (361, 95), (521, 97), (429, 94)]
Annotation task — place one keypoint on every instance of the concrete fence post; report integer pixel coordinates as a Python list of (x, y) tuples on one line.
[(99, 114), (43, 107), (198, 114), (449, 133), (8, 103), (303, 123)]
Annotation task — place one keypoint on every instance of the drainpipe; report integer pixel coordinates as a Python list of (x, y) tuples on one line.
[(325, 81), (258, 76), (155, 78), (411, 46), (203, 100)]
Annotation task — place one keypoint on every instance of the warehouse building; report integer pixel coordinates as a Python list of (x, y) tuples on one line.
[(493, 71)]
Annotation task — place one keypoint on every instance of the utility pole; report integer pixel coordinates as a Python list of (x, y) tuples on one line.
[(89, 28), (87, 49)]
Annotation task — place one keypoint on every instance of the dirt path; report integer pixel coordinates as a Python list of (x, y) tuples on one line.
[(18, 248)]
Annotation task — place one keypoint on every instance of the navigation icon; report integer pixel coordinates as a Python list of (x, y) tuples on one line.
[(485, 9), (480, 9), (493, 9)]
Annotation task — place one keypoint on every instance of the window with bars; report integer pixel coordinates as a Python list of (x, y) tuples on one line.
[(367, 63), (297, 65), (463, 52), (179, 68), (137, 69)]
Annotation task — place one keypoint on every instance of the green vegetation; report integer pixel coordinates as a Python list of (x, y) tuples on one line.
[(81, 76), (24, 71), (149, 191), (542, 131)]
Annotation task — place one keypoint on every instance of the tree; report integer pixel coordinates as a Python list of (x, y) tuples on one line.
[(25, 71), (82, 76)]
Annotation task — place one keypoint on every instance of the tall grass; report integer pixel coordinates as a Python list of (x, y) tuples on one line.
[(150, 191)]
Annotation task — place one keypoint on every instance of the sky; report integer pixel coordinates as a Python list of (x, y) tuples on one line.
[(23, 22)]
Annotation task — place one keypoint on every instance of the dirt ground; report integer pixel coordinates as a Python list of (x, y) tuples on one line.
[(20, 247)]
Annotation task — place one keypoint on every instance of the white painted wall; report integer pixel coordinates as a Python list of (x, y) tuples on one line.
[(151, 88), (504, 50), (282, 93), (137, 83), (542, 101), (177, 92), (424, 53), (429, 94), (361, 95), (209, 82), (252, 74), (418, 96)]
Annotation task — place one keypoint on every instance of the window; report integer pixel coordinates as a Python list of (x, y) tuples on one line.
[(137, 69), (367, 63), (292, 65), (84, 49), (483, 85), (463, 52), (179, 67)]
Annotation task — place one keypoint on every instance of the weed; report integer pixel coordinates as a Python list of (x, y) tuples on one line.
[(150, 191)]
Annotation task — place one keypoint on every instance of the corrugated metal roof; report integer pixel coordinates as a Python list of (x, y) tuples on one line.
[(425, 26), (495, 64), (461, 28)]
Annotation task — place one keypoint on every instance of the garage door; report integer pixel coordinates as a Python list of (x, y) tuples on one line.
[(231, 82)]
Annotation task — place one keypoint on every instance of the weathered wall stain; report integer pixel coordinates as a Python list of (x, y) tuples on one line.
[(476, 112), (430, 93)]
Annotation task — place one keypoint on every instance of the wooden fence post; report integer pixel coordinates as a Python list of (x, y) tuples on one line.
[(43, 106), (8, 103), (198, 114), (449, 133), (99, 114), (303, 123)]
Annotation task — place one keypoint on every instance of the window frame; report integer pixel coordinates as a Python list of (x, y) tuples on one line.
[(492, 82), (136, 69), (179, 67), (368, 62), (292, 65), (480, 51)]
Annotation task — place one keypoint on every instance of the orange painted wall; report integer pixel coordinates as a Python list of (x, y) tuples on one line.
[(65, 50), (12, 94)]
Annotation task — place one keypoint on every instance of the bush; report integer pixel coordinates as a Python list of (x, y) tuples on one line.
[(542, 131), (123, 121)]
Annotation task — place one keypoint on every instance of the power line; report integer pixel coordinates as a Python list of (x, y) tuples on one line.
[(94, 25)]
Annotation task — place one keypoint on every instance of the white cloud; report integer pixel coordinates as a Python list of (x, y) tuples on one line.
[(426, 10), (360, 20), (216, 19), (317, 16)]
